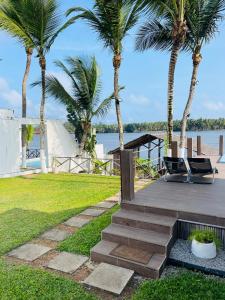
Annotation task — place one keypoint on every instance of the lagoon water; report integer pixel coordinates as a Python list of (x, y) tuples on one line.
[(111, 140)]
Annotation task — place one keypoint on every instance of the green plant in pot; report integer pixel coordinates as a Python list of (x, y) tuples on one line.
[(204, 243)]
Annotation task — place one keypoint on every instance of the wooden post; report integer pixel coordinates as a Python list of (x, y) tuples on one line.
[(199, 145), (174, 149), (189, 147), (221, 146), (138, 149), (159, 155), (149, 150), (127, 175)]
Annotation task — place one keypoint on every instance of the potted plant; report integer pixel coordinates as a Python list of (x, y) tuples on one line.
[(204, 243)]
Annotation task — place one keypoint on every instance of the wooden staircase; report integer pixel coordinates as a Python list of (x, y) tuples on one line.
[(137, 240)]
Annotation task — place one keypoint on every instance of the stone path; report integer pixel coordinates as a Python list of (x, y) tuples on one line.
[(109, 278), (41, 252), (67, 262)]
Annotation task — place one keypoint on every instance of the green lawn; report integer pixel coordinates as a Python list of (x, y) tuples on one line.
[(185, 286), (87, 237), (28, 206), (25, 283)]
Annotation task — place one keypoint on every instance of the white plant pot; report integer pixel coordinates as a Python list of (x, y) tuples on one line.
[(202, 250)]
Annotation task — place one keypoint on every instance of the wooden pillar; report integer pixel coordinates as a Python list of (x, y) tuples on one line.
[(189, 147), (127, 175), (199, 145), (159, 155), (174, 149), (138, 149), (221, 146), (149, 151)]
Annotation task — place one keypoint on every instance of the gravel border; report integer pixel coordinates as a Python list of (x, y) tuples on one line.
[(181, 255)]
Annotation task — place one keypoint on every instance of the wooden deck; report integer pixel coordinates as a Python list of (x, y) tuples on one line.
[(148, 226), (203, 203)]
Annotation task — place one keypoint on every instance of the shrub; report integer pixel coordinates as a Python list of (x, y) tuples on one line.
[(205, 236)]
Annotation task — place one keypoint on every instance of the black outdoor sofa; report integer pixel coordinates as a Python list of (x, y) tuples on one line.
[(177, 170)]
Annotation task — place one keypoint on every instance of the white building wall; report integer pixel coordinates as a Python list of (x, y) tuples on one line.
[(60, 143), (9, 146)]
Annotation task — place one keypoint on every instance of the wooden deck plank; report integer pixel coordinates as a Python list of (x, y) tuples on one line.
[(196, 199)]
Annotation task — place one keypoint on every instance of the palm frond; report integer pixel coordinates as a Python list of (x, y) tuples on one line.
[(111, 20), (153, 34), (11, 21), (203, 18), (104, 107), (55, 89), (83, 100), (40, 21)]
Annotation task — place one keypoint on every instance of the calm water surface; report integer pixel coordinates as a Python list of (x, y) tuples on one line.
[(111, 140)]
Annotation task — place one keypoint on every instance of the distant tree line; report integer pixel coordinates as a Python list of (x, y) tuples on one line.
[(192, 125)]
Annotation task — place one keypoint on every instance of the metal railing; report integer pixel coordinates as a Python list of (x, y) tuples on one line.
[(103, 166), (33, 153), (106, 166)]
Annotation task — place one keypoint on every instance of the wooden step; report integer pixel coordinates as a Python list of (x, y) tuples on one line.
[(138, 207), (149, 240), (158, 223), (102, 253)]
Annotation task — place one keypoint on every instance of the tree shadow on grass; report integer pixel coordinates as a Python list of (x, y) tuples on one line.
[(18, 226), (98, 179)]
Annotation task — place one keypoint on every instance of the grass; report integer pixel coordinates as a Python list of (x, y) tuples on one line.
[(185, 286), (23, 282), (28, 206), (87, 237)]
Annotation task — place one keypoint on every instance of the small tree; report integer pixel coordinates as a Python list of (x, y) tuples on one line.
[(29, 134), (83, 100)]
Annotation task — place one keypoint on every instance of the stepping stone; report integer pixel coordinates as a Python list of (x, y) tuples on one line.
[(106, 204), (55, 235), (113, 199), (29, 252), (77, 222), (93, 212), (67, 262), (109, 278)]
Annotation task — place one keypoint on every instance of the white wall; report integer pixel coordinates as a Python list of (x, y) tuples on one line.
[(9, 146), (60, 143)]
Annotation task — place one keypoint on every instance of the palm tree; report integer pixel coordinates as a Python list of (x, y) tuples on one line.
[(42, 22), (112, 20), (169, 15), (13, 24), (83, 99), (202, 21)]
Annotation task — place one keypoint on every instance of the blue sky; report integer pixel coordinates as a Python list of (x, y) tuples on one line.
[(144, 75)]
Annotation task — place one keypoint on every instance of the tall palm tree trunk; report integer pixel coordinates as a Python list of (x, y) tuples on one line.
[(86, 128), (116, 65), (196, 62), (42, 115), (29, 52), (172, 67)]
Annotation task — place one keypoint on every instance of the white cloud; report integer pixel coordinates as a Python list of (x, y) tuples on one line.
[(9, 96), (215, 106)]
